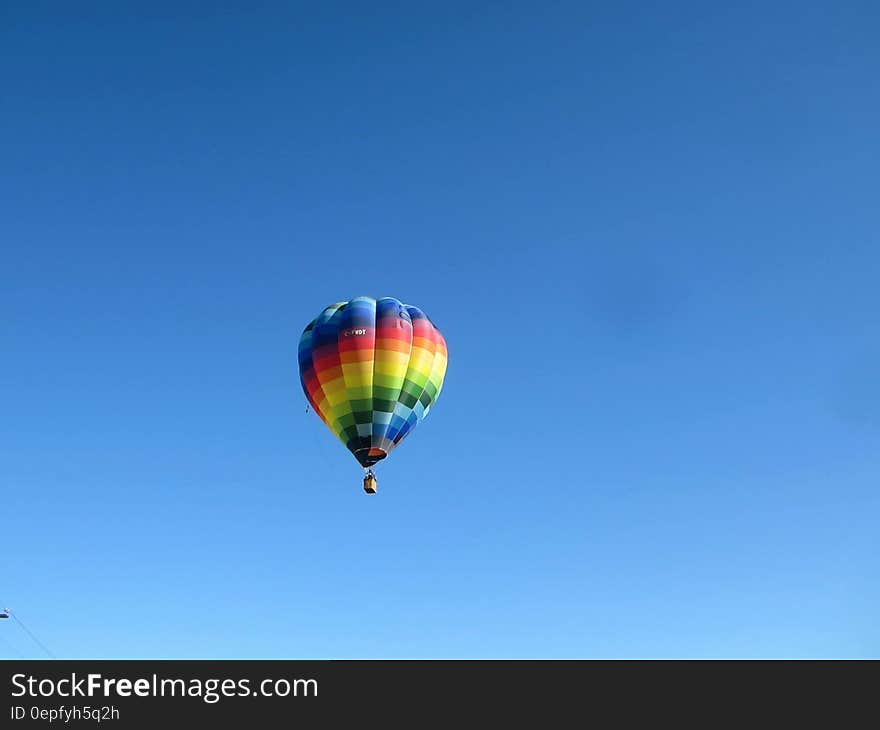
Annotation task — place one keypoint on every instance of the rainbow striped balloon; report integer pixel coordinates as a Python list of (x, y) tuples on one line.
[(371, 370)]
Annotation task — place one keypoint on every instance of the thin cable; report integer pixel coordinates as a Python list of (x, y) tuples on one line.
[(31, 634)]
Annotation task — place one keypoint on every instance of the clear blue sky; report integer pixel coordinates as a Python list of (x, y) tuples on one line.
[(649, 234)]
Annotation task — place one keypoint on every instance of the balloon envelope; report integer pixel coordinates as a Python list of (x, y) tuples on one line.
[(372, 369)]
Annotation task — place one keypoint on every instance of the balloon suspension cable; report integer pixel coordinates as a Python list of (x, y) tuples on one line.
[(9, 614)]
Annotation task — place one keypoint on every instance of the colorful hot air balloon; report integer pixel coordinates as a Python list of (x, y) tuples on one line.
[(372, 369)]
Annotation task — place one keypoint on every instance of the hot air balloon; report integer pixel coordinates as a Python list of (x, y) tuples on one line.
[(372, 369)]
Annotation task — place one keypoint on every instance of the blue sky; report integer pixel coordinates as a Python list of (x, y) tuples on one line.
[(649, 234)]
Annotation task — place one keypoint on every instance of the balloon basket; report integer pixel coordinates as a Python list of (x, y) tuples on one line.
[(370, 483)]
